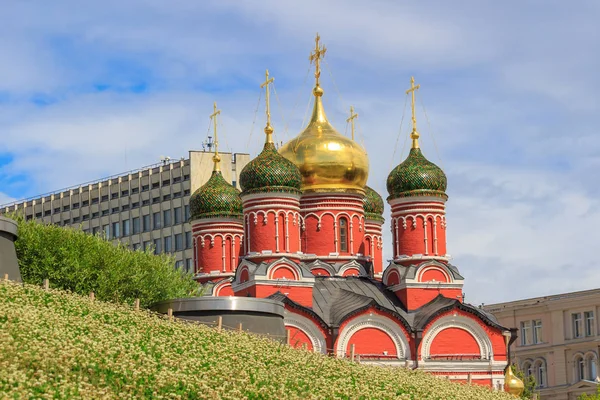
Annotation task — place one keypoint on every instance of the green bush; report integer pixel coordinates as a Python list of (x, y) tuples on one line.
[(75, 261)]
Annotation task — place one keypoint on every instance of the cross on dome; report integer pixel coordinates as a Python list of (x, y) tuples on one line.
[(216, 157), (351, 119), (268, 128), (315, 57), (414, 134)]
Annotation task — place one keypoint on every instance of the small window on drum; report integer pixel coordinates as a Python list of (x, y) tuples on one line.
[(343, 235)]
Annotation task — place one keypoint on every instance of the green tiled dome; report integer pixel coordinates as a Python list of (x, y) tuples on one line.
[(373, 205), (270, 172), (216, 198), (416, 176)]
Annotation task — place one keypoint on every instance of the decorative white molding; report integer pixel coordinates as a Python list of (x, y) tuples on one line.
[(376, 321), (460, 322), (309, 328)]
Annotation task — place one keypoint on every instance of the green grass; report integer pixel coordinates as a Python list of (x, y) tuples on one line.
[(54, 344)]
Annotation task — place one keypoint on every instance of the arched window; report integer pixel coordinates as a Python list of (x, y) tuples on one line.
[(527, 368), (579, 369), (540, 373), (343, 235), (590, 364)]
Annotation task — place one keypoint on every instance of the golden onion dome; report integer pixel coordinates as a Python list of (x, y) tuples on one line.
[(512, 384), (327, 160)]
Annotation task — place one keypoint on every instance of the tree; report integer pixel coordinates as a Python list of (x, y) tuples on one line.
[(82, 263), (595, 396)]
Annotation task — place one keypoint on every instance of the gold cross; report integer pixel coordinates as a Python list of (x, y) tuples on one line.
[(265, 85), (414, 134), (316, 57), (351, 119), (216, 157)]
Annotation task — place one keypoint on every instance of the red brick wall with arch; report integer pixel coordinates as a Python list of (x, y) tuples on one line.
[(223, 289), (452, 340), (210, 257), (320, 272)]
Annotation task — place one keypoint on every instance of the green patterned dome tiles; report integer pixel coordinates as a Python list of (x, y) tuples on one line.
[(373, 204), (416, 176), (270, 172), (216, 198)]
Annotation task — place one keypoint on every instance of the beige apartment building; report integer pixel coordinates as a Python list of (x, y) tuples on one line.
[(558, 341), (144, 207)]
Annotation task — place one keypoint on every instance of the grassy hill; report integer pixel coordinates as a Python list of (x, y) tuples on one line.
[(54, 344)]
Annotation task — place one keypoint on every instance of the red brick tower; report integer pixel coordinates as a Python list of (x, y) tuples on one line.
[(417, 196), (216, 219)]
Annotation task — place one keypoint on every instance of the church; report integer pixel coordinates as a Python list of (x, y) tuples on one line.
[(306, 230)]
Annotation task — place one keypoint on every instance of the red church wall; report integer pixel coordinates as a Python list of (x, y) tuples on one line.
[(432, 274), (372, 342), (224, 290), (414, 298), (262, 236), (320, 272), (351, 272), (495, 335), (284, 272), (452, 341), (441, 235), (300, 294), (411, 239), (298, 338), (210, 257)]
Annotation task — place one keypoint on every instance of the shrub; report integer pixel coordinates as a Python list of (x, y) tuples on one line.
[(58, 345), (82, 263)]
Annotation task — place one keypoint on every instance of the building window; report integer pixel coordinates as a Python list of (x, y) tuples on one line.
[(136, 246), (186, 213), (157, 246), (135, 204), (95, 214), (166, 197), (167, 218), (145, 202), (135, 190), (115, 230), (188, 240), (540, 373), (56, 210), (527, 368), (126, 228), (86, 217), (178, 264), (186, 177), (168, 247), (178, 241), (145, 188), (577, 325), (176, 179), (105, 197), (95, 200), (147, 245), (95, 230), (590, 362), (75, 220), (156, 218), (343, 235), (47, 213), (106, 230), (176, 194), (537, 331), (166, 182), (186, 192), (38, 214), (177, 215), (589, 323), (155, 185), (125, 207), (75, 206), (66, 208), (146, 223), (124, 192), (114, 196), (156, 200), (85, 203), (136, 225), (525, 333), (189, 265), (579, 369), (105, 212), (114, 210)]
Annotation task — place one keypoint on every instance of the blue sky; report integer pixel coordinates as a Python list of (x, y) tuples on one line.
[(510, 90)]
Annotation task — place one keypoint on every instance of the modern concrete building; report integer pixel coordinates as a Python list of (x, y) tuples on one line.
[(143, 207), (558, 341)]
